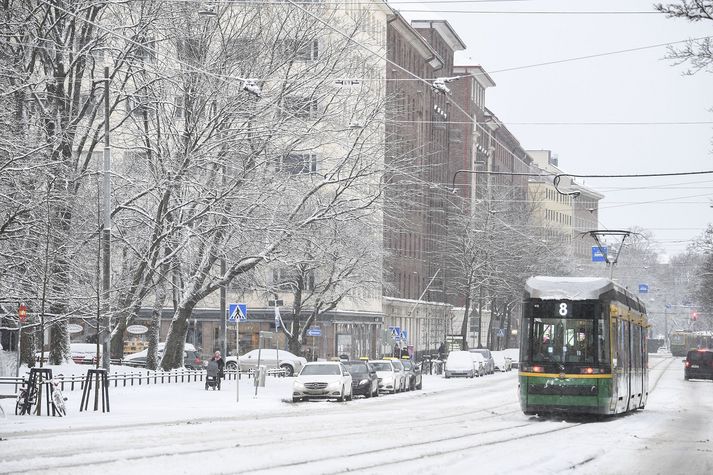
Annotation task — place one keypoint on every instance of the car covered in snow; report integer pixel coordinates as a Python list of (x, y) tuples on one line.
[(514, 354), (461, 363), (322, 380), (270, 358), (502, 361), (489, 363)]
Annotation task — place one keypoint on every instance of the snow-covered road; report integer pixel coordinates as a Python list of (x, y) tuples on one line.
[(452, 426)]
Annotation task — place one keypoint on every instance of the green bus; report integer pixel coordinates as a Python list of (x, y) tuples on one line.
[(583, 347)]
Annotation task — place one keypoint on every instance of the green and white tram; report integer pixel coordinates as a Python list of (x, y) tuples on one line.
[(583, 347)]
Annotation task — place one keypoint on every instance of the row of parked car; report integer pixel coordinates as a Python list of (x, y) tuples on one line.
[(342, 380), (478, 362)]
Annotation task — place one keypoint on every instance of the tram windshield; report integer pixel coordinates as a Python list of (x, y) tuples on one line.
[(557, 340)]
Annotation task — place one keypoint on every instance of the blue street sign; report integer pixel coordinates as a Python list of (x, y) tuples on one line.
[(599, 254), (501, 333), (314, 331), (404, 335), (237, 311), (395, 331), (643, 288)]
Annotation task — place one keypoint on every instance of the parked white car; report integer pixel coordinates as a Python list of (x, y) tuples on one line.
[(292, 364), (502, 361), (514, 354), (323, 380), (390, 380), (460, 363)]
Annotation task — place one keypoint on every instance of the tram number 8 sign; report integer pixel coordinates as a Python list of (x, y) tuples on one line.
[(563, 309)]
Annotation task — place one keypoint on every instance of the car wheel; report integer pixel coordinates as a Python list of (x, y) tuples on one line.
[(289, 370), (341, 396), (351, 395), (206, 385), (231, 366), (376, 392), (420, 385)]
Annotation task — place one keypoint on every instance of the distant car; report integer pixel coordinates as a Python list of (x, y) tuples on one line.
[(489, 363), (415, 378), (191, 357), (292, 364), (514, 354), (479, 363), (403, 377), (389, 377), (323, 380), (84, 353), (698, 365), (365, 382), (460, 363), (502, 362)]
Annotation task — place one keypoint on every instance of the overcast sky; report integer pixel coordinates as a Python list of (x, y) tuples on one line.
[(639, 87)]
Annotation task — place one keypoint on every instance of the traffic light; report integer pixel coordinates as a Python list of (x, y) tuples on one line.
[(694, 315), (22, 312)]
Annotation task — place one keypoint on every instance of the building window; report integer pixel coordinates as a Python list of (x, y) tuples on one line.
[(178, 109), (136, 105), (301, 107), (299, 163)]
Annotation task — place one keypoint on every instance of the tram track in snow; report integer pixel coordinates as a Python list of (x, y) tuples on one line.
[(436, 453), (325, 432), (218, 441)]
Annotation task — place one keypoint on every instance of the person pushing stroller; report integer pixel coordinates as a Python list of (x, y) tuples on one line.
[(214, 372)]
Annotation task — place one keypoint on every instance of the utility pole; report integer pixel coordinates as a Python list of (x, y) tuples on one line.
[(106, 231)]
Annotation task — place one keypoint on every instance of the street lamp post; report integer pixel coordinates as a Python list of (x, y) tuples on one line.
[(106, 231)]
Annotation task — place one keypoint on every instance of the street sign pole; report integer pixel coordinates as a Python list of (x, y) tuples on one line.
[(237, 312)]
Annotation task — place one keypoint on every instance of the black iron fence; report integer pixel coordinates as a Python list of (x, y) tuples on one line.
[(138, 378)]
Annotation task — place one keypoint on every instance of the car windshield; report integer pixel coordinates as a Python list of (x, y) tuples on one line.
[(459, 356), (407, 364), (381, 366), (356, 368), (563, 340), (321, 369)]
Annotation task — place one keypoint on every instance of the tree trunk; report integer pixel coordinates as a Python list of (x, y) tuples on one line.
[(27, 347), (176, 339), (464, 326), (152, 360)]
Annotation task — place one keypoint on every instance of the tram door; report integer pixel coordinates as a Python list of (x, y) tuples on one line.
[(623, 365)]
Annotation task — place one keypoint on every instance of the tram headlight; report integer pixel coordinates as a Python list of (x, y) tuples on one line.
[(591, 370)]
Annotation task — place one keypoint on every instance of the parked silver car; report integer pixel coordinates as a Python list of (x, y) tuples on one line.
[(292, 364)]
